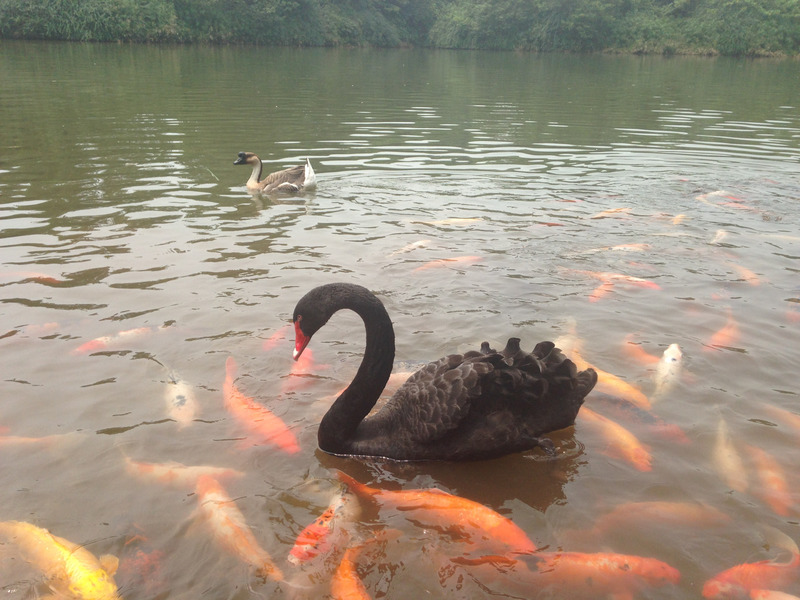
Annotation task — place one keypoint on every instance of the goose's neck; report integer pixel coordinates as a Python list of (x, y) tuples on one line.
[(255, 176), (339, 425)]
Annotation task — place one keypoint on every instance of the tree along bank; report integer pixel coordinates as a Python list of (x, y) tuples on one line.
[(729, 27)]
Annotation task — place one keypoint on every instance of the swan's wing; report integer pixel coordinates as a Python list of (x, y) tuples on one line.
[(287, 176), (434, 400)]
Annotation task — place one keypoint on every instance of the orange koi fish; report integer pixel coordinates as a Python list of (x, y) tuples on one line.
[(635, 352), (738, 581), (774, 489), (611, 212), (345, 583), (33, 276), (579, 575), (771, 595), (727, 460), (746, 274), (177, 474), (726, 336), (611, 384), (678, 219), (453, 221), (449, 262), (620, 408), (315, 539), (278, 336), (230, 529), (784, 417), (105, 341), (436, 508), (72, 570), (643, 516), (621, 443), (261, 424)]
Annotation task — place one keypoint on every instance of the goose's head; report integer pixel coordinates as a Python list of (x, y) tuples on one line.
[(246, 158)]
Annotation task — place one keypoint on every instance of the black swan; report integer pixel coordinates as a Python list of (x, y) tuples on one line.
[(291, 180), (479, 405)]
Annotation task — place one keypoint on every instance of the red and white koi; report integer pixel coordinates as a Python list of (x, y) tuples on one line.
[(230, 529), (316, 537), (106, 341)]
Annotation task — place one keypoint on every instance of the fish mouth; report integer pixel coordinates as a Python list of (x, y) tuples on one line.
[(301, 340)]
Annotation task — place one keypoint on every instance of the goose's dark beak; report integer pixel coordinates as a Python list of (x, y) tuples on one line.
[(300, 340), (242, 160)]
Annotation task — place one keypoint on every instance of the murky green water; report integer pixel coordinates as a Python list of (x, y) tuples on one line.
[(548, 176)]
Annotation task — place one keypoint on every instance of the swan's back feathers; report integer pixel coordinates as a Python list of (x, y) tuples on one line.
[(486, 403), (286, 180)]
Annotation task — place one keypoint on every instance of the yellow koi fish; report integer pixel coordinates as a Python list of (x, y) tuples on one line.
[(71, 569)]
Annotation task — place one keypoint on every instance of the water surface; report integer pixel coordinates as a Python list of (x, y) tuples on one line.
[(120, 210)]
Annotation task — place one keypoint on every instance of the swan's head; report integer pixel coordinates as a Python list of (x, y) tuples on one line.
[(246, 158)]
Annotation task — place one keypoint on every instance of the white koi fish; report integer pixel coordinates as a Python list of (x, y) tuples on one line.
[(668, 370)]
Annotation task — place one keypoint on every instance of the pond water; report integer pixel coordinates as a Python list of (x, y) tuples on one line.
[(621, 204)]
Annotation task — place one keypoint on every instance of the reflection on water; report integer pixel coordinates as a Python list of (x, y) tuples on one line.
[(619, 204)]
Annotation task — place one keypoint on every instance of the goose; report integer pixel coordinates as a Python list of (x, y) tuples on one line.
[(473, 406), (291, 180)]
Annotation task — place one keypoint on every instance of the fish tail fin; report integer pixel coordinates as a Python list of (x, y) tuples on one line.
[(230, 368), (778, 539), (358, 488)]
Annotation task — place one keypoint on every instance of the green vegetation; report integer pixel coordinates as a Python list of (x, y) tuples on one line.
[(733, 27)]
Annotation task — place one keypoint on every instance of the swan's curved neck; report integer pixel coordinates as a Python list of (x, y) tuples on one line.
[(338, 426)]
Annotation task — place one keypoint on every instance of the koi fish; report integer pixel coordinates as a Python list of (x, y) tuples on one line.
[(746, 274), (101, 343), (678, 219), (635, 352), (651, 422), (261, 424), (643, 516), (719, 237), (447, 262), (784, 417), (668, 370), (177, 474), (726, 336), (315, 539), (611, 384), (436, 508), (727, 461), (410, 247), (738, 581), (610, 277), (278, 336), (774, 489), (454, 221), (181, 402), (34, 276), (771, 595), (72, 570), (345, 583), (595, 575), (621, 443), (230, 529), (622, 248), (611, 212)]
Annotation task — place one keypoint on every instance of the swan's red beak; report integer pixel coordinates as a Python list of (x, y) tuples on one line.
[(300, 340)]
